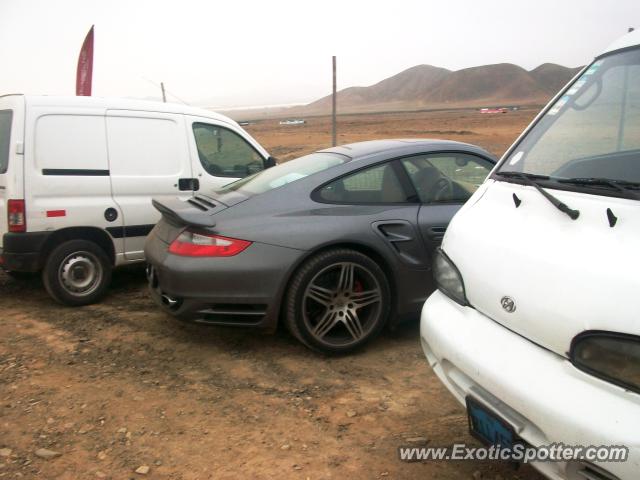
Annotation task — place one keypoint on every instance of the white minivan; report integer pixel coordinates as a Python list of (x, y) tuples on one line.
[(77, 175), (535, 327)]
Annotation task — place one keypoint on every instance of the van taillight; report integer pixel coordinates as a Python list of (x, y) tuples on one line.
[(16, 216)]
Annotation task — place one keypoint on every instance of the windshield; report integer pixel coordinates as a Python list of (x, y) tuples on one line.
[(285, 173), (592, 131)]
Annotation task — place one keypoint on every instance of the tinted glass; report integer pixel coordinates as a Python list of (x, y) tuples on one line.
[(286, 173), (377, 184), (593, 130), (446, 177), (224, 153), (5, 138)]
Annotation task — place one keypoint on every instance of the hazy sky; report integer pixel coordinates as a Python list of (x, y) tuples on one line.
[(246, 52)]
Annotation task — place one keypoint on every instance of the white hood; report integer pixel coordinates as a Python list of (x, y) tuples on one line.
[(564, 276)]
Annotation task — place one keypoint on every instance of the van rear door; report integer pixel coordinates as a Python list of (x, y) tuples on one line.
[(11, 155), (148, 158)]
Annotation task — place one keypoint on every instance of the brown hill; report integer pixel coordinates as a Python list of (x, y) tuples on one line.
[(553, 77), (425, 86)]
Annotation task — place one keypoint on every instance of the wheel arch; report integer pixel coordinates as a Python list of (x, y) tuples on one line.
[(365, 249), (93, 234)]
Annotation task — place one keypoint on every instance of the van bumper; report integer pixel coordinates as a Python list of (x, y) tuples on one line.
[(21, 252), (540, 393)]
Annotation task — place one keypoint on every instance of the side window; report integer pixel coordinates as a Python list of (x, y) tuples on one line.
[(224, 153), (377, 184), (5, 139), (446, 177)]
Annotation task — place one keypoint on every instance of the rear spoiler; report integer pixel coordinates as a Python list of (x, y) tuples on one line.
[(196, 211)]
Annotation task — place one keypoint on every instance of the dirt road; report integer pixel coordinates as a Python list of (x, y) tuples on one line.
[(118, 386)]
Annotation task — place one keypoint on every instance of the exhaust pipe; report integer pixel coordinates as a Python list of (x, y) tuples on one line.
[(169, 301)]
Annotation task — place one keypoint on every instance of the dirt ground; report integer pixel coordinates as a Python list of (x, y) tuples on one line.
[(119, 385)]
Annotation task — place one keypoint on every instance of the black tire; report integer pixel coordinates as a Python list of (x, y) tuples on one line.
[(77, 272), (327, 315)]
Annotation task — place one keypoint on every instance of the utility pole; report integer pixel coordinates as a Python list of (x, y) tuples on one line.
[(164, 96), (333, 106)]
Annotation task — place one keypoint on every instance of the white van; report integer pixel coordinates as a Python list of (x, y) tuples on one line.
[(77, 175), (535, 327)]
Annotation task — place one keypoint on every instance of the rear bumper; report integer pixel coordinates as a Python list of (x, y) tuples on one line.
[(540, 393), (244, 290), (21, 252)]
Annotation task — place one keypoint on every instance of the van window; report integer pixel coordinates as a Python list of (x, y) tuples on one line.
[(446, 177), (593, 130), (5, 138), (224, 153)]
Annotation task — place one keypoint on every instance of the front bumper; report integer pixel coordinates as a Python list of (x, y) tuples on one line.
[(540, 393), (244, 290)]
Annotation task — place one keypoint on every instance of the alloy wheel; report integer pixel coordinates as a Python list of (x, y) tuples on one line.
[(341, 304)]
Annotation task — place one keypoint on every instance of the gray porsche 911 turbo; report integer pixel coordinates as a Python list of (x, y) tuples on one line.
[(337, 244)]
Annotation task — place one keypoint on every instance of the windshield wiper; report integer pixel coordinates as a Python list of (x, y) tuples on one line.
[(530, 179), (620, 185)]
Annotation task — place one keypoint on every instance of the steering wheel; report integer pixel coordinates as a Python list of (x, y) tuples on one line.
[(442, 190)]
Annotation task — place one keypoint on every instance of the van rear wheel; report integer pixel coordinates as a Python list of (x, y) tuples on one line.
[(77, 272)]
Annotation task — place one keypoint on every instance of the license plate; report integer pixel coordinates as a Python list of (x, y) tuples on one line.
[(487, 427)]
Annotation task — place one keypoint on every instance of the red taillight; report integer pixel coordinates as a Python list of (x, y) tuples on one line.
[(192, 244), (16, 216)]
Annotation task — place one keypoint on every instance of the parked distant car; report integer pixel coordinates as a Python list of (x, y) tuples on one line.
[(293, 122), (536, 324), (77, 175), (333, 242)]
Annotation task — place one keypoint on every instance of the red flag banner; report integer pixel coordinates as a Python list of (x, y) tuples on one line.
[(84, 74)]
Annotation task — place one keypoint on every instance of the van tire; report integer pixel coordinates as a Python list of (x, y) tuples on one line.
[(77, 272)]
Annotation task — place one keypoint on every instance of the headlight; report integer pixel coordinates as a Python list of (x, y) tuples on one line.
[(614, 357), (448, 278)]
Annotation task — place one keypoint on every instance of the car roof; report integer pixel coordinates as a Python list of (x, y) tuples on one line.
[(409, 146), (629, 40), (116, 103)]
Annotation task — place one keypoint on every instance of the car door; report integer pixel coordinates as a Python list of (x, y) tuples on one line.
[(443, 181), (148, 158), (221, 153), (11, 155), (377, 196)]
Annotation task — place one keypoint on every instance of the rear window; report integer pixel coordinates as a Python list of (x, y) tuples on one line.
[(284, 173), (5, 138)]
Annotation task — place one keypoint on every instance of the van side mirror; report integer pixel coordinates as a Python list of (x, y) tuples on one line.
[(270, 162)]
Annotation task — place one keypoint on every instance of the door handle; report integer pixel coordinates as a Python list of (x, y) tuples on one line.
[(189, 184)]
